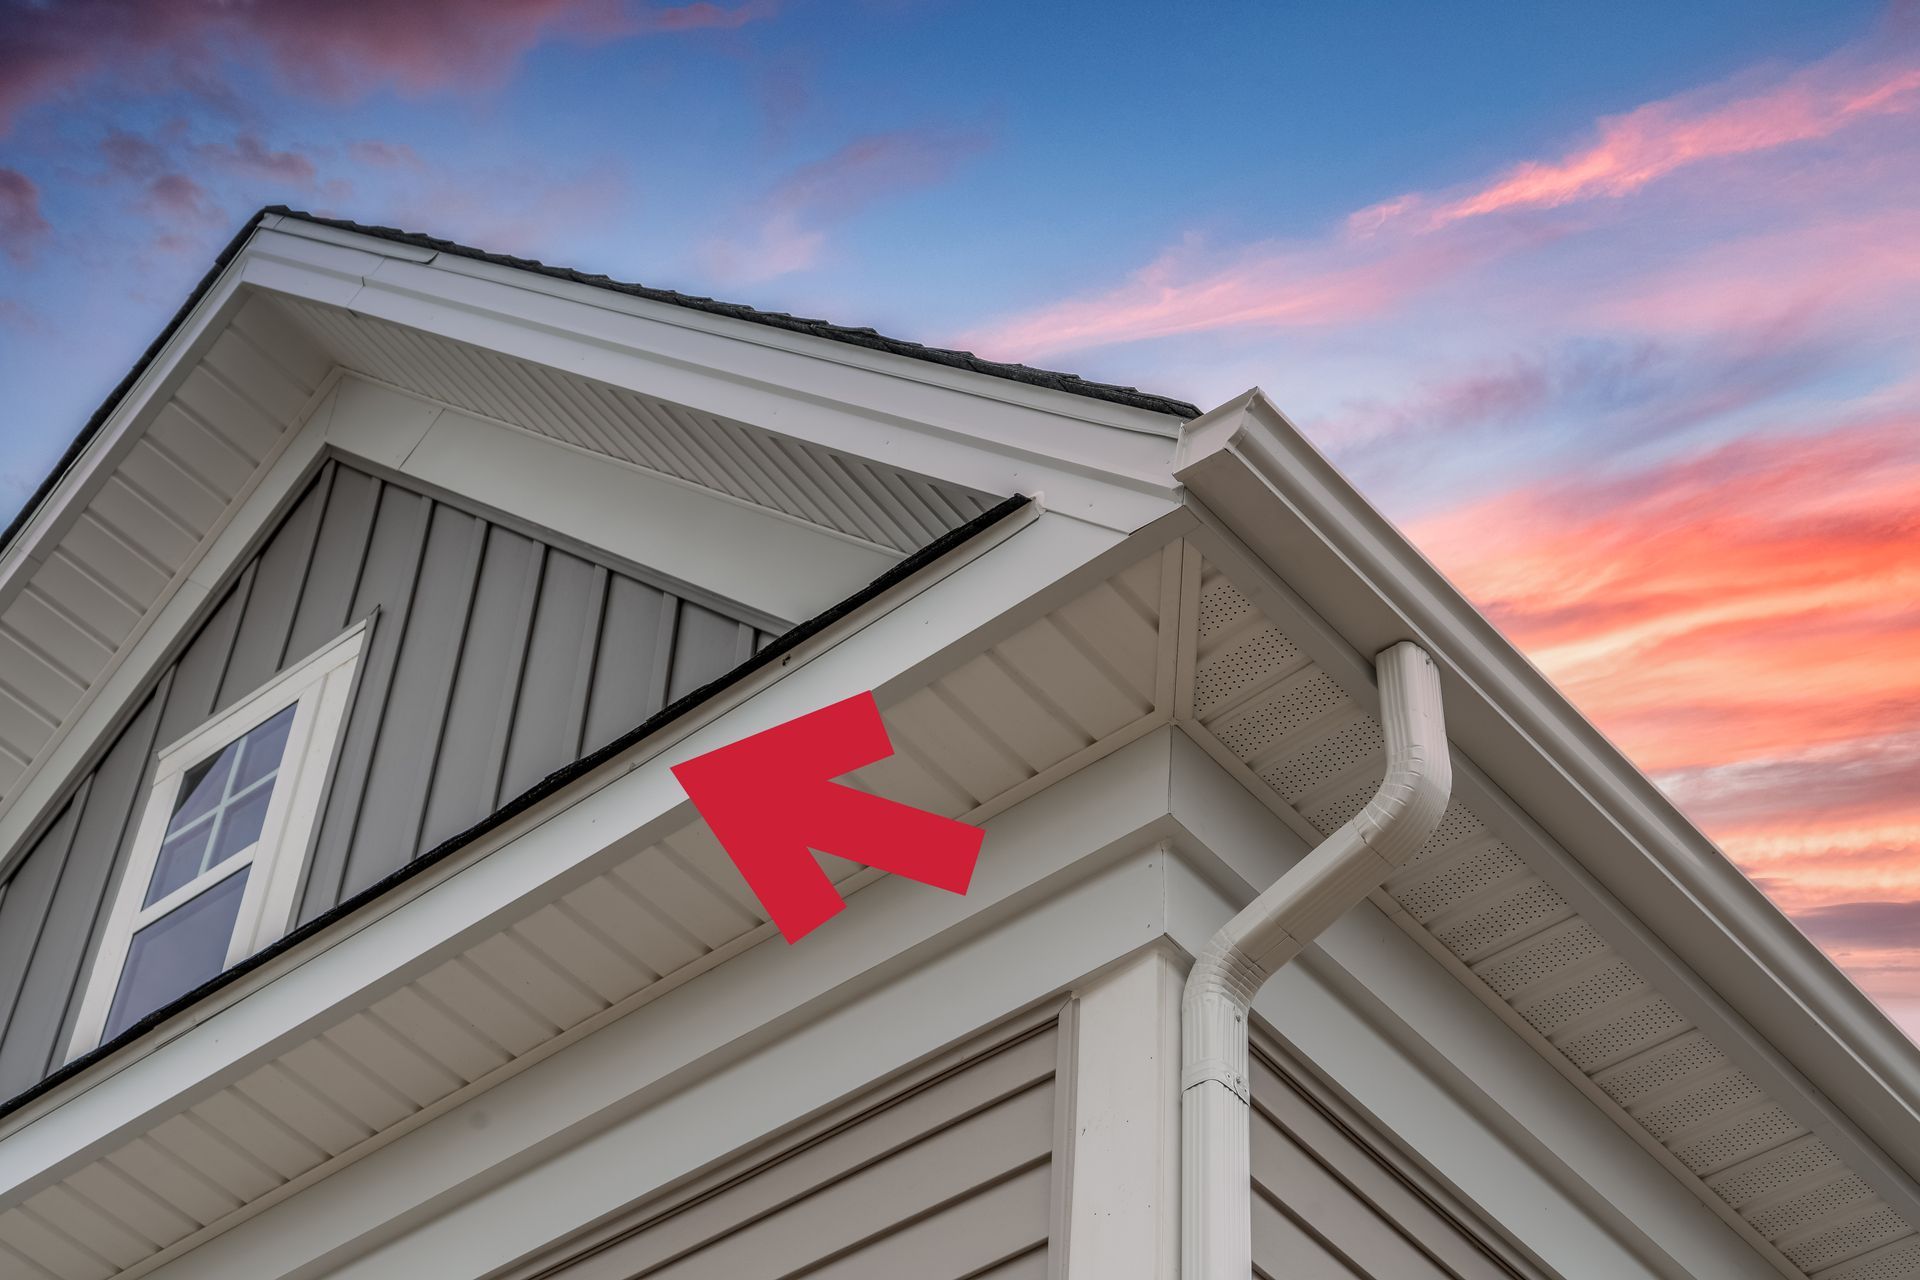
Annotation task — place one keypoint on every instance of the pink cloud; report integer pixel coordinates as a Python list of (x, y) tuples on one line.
[(1659, 138), (1381, 258), (180, 199), (248, 155), (129, 155), (22, 225), (384, 155), (1188, 290), (794, 217), (332, 49)]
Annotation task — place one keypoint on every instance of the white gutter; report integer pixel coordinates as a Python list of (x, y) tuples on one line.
[(1215, 1235)]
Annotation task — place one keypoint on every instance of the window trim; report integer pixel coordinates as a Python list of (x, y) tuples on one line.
[(319, 686)]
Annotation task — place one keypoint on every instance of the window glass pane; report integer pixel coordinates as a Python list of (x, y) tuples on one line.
[(240, 823), (181, 858), (202, 788), (222, 806), (260, 750), (176, 953)]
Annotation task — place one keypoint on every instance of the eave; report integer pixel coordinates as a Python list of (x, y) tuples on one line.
[(1317, 558)]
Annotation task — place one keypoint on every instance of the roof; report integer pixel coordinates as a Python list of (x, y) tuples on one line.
[(1052, 380), (1048, 379)]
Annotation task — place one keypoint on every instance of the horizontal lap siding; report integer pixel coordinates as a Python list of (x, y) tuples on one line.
[(1329, 1205), (495, 659), (950, 1181)]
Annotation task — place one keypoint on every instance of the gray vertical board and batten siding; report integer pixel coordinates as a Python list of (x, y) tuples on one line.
[(495, 658)]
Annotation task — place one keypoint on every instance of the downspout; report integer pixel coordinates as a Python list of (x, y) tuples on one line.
[(1215, 1174)]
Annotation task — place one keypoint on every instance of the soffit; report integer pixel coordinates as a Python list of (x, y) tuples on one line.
[(881, 505), (1168, 638), (85, 591), (1058, 692), (1482, 896)]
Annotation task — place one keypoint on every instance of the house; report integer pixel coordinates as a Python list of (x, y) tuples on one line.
[(354, 923)]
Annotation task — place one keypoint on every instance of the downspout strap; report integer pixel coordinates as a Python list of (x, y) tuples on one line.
[(1218, 1070)]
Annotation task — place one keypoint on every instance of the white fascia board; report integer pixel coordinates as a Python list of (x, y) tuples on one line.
[(1055, 403), (1067, 881), (1117, 477), (1397, 1033), (542, 853), (1269, 501)]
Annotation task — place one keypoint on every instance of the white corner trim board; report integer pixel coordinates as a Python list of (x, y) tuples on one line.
[(1215, 1235)]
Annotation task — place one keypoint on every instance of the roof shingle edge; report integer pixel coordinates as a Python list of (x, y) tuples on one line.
[(1070, 383), (1050, 379)]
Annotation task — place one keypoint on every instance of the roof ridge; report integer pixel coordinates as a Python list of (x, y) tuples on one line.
[(859, 336)]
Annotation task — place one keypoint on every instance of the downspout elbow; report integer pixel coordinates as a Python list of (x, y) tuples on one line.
[(1274, 928)]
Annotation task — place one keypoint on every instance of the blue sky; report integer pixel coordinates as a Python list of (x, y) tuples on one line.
[(1615, 307), (1039, 148)]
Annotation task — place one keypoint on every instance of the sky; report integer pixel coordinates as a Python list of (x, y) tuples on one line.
[(1615, 309)]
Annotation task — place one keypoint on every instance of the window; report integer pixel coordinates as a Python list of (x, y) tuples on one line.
[(218, 853)]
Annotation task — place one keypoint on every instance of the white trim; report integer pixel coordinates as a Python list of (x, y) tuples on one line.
[(1062, 404), (318, 687), (1420, 1054), (639, 1097), (905, 630), (1123, 1209), (1073, 883), (949, 431)]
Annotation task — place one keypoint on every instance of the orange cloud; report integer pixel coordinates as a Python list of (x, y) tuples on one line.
[(1745, 622), (1760, 598)]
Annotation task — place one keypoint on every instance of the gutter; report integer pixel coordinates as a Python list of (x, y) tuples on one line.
[(1215, 1167)]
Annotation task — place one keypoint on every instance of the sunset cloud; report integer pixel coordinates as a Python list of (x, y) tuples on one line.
[(177, 197), (1655, 140), (22, 226), (1381, 259), (1744, 621), (1727, 605), (795, 217), (1191, 289), (329, 49), (247, 154)]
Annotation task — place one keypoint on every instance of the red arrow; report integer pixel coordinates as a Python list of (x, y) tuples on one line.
[(771, 797)]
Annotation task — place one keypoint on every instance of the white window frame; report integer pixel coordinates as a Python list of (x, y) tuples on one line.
[(319, 686)]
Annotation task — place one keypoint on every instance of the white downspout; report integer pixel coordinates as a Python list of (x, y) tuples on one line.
[(1215, 1176)]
